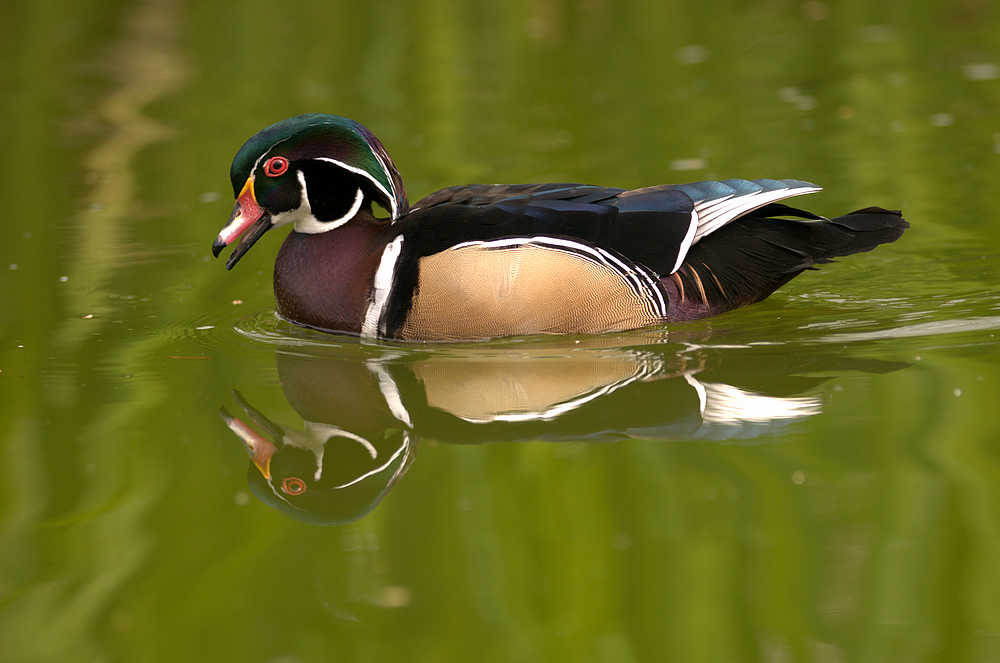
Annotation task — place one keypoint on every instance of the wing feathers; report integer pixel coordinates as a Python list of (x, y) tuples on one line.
[(744, 197), (487, 194), (717, 203), (655, 226)]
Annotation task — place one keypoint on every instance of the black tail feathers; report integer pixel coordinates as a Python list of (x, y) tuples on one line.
[(867, 228), (751, 257)]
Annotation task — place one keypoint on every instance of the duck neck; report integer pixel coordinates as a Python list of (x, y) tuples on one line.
[(325, 280)]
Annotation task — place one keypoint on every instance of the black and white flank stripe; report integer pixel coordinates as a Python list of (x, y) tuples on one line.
[(639, 279)]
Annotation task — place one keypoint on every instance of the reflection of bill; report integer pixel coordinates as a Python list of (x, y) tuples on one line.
[(362, 415), (323, 473)]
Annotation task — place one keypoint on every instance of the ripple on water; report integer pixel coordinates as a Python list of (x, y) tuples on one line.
[(933, 328), (200, 333), (935, 315), (268, 327), (812, 320)]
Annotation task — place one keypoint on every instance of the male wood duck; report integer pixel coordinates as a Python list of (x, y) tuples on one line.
[(483, 261)]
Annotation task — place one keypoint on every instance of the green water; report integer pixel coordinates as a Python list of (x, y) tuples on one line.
[(814, 478)]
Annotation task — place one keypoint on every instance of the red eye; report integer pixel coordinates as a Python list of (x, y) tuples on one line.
[(293, 485), (275, 166)]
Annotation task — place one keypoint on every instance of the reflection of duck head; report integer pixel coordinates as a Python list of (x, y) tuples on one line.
[(323, 474)]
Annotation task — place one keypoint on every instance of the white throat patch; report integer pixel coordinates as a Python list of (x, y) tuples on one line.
[(302, 218)]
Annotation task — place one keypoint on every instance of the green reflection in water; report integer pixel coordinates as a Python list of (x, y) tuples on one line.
[(866, 531)]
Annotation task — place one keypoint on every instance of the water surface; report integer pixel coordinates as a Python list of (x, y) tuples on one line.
[(812, 478)]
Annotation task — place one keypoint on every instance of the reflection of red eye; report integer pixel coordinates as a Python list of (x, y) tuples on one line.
[(293, 486), (275, 166)]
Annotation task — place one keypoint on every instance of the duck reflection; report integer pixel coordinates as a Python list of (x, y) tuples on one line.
[(364, 409), (322, 474)]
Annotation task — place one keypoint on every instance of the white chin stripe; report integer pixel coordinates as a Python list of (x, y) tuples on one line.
[(309, 224)]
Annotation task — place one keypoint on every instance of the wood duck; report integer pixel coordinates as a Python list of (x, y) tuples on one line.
[(482, 261)]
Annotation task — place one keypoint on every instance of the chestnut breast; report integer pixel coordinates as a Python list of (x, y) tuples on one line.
[(325, 280)]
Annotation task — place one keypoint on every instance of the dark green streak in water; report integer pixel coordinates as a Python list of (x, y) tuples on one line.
[(868, 531)]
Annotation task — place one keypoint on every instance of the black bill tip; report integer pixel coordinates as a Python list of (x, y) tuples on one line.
[(217, 247)]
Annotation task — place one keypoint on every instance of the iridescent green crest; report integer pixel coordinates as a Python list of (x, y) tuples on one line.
[(318, 135)]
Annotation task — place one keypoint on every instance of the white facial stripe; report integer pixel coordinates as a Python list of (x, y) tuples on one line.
[(358, 199), (369, 177), (403, 447), (381, 288), (300, 213), (302, 217), (266, 152), (310, 225), (392, 184)]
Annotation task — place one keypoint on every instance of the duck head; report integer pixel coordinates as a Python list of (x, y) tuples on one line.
[(316, 172)]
